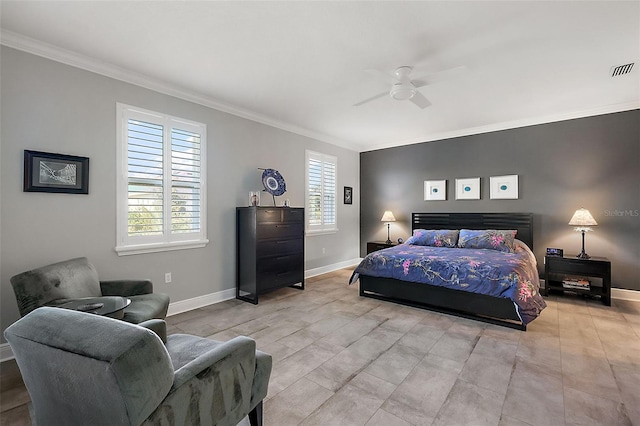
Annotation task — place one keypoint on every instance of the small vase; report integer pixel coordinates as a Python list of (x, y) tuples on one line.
[(254, 198)]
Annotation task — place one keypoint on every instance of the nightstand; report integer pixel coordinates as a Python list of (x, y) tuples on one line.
[(378, 245), (596, 267)]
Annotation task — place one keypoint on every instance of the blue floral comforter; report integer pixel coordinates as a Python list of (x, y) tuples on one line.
[(491, 272)]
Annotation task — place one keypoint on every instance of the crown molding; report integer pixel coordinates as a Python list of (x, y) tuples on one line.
[(67, 57), (507, 125), (54, 53)]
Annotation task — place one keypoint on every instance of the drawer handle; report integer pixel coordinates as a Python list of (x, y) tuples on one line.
[(282, 257), (281, 242), (282, 226)]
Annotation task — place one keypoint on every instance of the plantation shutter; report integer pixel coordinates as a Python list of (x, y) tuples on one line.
[(185, 181), (321, 192), (161, 182), (329, 193), (145, 178), (315, 192)]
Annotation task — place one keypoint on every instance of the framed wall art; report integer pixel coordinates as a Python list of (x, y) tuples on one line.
[(48, 172), (348, 195), (504, 187), (435, 190), (468, 189)]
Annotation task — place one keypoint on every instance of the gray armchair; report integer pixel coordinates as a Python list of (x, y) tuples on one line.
[(84, 369), (61, 282)]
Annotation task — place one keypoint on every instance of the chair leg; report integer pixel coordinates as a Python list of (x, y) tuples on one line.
[(255, 415)]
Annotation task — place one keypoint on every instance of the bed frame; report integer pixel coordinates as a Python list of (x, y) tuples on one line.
[(484, 308)]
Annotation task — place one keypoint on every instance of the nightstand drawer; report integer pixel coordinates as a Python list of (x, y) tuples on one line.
[(377, 245), (578, 266)]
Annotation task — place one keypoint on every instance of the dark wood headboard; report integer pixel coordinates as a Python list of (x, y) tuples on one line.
[(521, 222)]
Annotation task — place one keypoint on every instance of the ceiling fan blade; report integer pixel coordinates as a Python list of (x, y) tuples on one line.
[(420, 101), (419, 83), (373, 98)]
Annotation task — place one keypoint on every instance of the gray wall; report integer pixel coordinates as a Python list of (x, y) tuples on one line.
[(591, 162), (48, 106)]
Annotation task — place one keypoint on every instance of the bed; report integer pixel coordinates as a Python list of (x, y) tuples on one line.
[(473, 281)]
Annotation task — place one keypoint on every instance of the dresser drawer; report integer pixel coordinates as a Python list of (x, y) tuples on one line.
[(280, 263), (269, 247), (293, 215), (282, 230), (272, 280), (269, 215)]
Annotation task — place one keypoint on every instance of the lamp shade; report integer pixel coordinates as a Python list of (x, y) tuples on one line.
[(388, 217), (582, 217)]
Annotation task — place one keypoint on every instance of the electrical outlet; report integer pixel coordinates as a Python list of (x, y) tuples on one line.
[(323, 250), (167, 277)]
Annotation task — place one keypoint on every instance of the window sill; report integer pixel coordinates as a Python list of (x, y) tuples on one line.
[(159, 247), (324, 232)]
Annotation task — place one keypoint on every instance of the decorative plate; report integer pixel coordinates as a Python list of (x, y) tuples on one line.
[(273, 182)]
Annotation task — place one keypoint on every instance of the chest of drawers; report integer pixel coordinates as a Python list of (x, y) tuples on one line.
[(270, 250)]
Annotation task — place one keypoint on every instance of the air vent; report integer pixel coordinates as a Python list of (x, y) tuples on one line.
[(621, 70)]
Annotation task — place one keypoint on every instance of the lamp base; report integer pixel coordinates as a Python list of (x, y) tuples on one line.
[(388, 242), (582, 254)]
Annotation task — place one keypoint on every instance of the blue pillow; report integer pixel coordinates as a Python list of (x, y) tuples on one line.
[(492, 239), (434, 237)]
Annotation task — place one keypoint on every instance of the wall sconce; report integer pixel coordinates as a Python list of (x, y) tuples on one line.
[(388, 217), (582, 220)]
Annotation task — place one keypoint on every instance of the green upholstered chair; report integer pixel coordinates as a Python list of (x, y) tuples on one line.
[(85, 369), (61, 282)]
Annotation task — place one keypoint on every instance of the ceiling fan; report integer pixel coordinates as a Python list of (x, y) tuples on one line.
[(403, 88)]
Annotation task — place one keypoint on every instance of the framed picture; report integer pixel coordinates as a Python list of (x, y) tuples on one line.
[(504, 187), (348, 195), (47, 172), (468, 189), (435, 190)]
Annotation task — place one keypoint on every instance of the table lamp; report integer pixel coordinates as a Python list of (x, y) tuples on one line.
[(388, 217), (582, 220)]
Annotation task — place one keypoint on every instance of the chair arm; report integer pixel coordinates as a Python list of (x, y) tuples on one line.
[(239, 351), (214, 388), (126, 287), (158, 326)]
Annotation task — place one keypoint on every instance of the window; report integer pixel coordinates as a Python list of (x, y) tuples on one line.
[(321, 193), (161, 182)]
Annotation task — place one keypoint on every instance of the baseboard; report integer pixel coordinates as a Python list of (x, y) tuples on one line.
[(209, 299), (5, 352), (200, 301), (624, 294), (330, 268)]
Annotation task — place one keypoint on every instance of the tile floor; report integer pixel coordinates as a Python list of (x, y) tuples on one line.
[(340, 359)]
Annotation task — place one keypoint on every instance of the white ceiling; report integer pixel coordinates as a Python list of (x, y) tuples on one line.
[(301, 65)]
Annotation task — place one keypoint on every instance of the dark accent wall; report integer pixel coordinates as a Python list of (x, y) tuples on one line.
[(590, 162)]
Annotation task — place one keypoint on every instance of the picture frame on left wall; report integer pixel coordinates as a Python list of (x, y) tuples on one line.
[(50, 172)]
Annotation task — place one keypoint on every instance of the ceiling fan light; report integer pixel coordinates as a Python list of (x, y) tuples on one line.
[(402, 92)]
